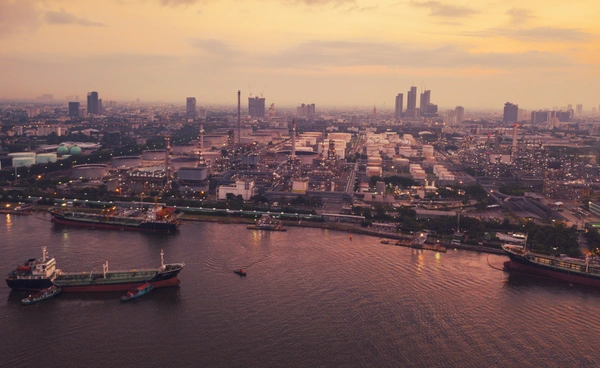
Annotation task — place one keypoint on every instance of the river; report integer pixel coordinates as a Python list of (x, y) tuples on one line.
[(312, 298)]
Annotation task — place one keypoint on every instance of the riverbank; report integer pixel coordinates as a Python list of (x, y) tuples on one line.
[(349, 228)]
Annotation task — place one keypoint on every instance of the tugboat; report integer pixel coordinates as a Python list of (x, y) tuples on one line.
[(267, 223), (44, 294), (137, 292), (240, 272)]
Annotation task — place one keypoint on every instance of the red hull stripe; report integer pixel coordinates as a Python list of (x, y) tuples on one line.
[(118, 287), (551, 274), (103, 226)]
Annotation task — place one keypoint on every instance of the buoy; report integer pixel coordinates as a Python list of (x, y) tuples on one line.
[(350, 237)]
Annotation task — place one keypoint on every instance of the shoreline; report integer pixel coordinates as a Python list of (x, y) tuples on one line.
[(339, 227)]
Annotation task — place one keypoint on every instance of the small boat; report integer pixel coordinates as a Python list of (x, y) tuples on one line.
[(43, 294), (137, 292), (266, 222), (385, 241), (240, 272)]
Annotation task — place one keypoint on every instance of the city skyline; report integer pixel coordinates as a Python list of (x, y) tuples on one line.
[(333, 52)]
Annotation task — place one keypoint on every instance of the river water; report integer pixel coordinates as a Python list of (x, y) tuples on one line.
[(312, 298)]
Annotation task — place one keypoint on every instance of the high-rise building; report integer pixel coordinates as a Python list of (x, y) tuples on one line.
[(579, 109), (411, 102), (511, 113), (425, 101), (459, 112), (190, 107), (73, 109), (256, 107), (306, 111), (399, 102), (100, 107), (92, 103)]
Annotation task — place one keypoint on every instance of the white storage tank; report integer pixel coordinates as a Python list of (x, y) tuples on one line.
[(91, 171), (126, 162), (153, 155), (22, 154), (192, 173), (23, 161), (44, 158)]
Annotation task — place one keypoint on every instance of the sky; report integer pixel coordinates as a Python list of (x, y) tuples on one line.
[(477, 54)]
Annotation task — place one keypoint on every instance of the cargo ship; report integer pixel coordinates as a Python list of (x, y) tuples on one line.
[(572, 270), (156, 219), (41, 273)]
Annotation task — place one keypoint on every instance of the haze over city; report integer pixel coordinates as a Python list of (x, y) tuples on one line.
[(538, 54)]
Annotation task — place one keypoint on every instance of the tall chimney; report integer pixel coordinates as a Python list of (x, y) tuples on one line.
[(239, 117), (293, 139)]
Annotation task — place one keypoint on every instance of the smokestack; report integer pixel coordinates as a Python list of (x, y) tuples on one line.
[(239, 117), (514, 142), (201, 138), (293, 139), (167, 166)]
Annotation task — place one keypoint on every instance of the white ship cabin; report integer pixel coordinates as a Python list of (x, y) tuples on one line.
[(44, 267)]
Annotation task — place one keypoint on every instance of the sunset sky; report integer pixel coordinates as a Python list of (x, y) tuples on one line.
[(478, 54)]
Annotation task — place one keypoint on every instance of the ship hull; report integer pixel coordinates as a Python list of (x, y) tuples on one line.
[(118, 287), (28, 284), (144, 226), (521, 264)]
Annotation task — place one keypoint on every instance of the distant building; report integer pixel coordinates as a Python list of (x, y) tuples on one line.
[(256, 107), (459, 113), (539, 117), (306, 111), (74, 109), (511, 113), (579, 109), (190, 107), (92, 103), (411, 102), (399, 103), (245, 188), (425, 101)]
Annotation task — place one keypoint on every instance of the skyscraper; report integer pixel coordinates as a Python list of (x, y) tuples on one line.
[(73, 109), (399, 102), (425, 101), (92, 103), (579, 109), (511, 113), (256, 107), (411, 102), (190, 107), (459, 112)]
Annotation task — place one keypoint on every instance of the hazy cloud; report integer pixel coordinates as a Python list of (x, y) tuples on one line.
[(362, 9), (322, 54), (64, 18), (322, 2), (539, 34), (519, 16), (438, 9), (212, 47), (17, 16), (175, 3)]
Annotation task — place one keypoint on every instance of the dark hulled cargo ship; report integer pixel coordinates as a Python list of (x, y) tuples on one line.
[(41, 273), (573, 270), (154, 220)]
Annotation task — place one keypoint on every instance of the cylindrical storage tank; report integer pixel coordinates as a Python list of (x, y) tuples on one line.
[(179, 162), (126, 162), (62, 150), (75, 151), (44, 158), (177, 150), (153, 155), (23, 161), (92, 171), (192, 173), (22, 154)]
